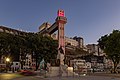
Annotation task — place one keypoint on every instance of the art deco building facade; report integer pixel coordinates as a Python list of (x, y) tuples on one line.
[(12, 31)]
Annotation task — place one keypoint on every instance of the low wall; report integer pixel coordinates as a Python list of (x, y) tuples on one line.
[(70, 71), (55, 71)]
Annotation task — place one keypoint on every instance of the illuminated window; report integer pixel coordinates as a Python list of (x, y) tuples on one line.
[(60, 13)]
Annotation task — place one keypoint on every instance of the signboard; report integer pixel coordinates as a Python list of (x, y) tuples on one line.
[(61, 13)]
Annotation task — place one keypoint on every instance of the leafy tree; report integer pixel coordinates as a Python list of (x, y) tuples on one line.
[(111, 46), (39, 46), (5, 44), (10, 45)]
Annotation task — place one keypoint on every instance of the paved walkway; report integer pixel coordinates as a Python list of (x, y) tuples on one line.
[(105, 74), (92, 76), (68, 78)]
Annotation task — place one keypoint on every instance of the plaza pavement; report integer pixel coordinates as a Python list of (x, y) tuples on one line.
[(68, 78), (90, 76)]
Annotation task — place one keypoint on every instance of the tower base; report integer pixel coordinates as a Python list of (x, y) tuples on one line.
[(57, 71)]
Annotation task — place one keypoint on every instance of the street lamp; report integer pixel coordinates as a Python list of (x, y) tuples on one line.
[(7, 59), (7, 63)]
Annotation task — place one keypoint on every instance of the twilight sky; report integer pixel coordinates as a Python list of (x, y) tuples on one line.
[(89, 19)]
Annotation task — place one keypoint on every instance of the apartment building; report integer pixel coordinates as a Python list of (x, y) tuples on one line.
[(95, 49), (71, 41)]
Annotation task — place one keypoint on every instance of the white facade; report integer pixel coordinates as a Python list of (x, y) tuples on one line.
[(15, 66), (79, 66), (44, 26), (1, 30), (70, 41), (88, 64), (108, 63), (28, 61)]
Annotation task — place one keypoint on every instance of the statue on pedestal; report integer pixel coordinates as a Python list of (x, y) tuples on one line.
[(63, 67), (60, 55)]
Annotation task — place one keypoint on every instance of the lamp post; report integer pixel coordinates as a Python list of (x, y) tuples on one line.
[(7, 59), (7, 63)]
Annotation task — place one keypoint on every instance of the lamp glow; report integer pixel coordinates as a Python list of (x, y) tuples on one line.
[(7, 59)]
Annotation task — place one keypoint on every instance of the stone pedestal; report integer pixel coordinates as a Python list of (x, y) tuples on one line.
[(60, 71), (53, 71), (70, 71), (63, 70)]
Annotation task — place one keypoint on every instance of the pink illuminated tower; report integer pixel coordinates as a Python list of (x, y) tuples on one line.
[(59, 24), (61, 20)]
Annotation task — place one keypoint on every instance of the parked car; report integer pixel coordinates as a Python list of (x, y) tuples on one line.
[(27, 73)]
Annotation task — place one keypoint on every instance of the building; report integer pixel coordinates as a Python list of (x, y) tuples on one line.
[(70, 41), (96, 57), (79, 66), (12, 31), (43, 29), (28, 61), (2, 60), (95, 49), (80, 41), (45, 25), (15, 66)]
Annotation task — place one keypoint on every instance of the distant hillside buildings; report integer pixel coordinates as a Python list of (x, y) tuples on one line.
[(95, 49)]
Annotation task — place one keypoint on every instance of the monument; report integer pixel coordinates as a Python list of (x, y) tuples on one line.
[(60, 21)]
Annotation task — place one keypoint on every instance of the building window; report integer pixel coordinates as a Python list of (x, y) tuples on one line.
[(16, 63)]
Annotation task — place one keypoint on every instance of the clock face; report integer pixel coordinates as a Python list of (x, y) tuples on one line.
[(60, 13)]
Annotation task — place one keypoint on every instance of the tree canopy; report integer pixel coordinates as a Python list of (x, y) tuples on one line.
[(110, 43), (35, 44)]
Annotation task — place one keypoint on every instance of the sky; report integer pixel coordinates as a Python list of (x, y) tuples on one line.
[(89, 19)]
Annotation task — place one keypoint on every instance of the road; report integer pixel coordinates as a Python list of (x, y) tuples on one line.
[(9, 76), (19, 77)]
